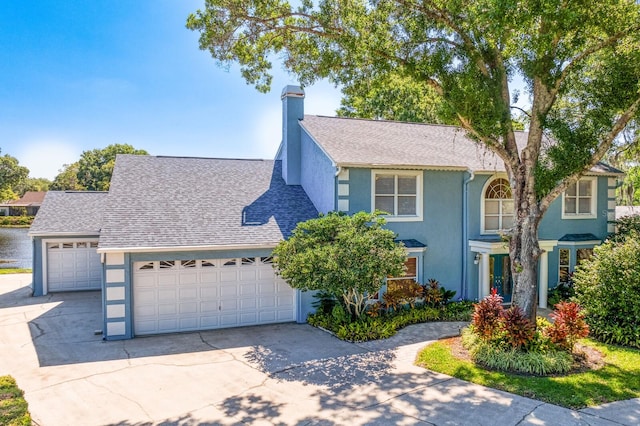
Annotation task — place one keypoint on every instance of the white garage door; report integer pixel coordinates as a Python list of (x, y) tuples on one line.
[(73, 266), (185, 295)]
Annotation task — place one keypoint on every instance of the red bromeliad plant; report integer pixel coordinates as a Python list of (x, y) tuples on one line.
[(568, 326), (486, 315), (519, 331)]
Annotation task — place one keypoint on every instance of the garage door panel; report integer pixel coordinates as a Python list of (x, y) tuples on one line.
[(167, 309), (247, 275), (73, 266), (248, 318), (209, 292), (206, 294), (188, 308), (189, 293), (247, 304), (229, 290)]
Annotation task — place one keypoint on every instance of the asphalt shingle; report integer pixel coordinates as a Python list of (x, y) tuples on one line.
[(190, 202), (359, 142), (65, 212)]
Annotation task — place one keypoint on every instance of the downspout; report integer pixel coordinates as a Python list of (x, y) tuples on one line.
[(465, 232)]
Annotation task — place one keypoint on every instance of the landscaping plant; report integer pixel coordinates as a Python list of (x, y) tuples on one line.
[(347, 256), (607, 287), (505, 339)]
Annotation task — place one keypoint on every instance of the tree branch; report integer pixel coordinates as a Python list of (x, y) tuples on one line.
[(600, 152)]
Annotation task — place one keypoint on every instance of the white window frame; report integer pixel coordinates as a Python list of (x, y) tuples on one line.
[(483, 230), (594, 200), (419, 196), (561, 265)]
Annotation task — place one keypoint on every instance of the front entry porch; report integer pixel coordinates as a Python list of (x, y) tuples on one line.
[(494, 268)]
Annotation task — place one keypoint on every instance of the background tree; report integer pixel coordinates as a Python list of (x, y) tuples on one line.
[(67, 179), (32, 184), (11, 175), (392, 96), (94, 169), (580, 62), (347, 256)]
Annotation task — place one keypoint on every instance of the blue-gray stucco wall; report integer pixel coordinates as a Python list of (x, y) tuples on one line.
[(440, 230), (317, 175), (552, 227)]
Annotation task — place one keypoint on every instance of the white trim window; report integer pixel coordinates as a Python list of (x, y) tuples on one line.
[(497, 206), (579, 201), (564, 265), (398, 193)]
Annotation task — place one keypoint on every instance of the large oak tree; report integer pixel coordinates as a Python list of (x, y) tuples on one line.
[(579, 59)]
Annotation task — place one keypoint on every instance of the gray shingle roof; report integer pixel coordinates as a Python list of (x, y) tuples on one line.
[(578, 238), (70, 212), (358, 142), (185, 202)]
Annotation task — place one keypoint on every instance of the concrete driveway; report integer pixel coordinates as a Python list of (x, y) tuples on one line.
[(287, 374)]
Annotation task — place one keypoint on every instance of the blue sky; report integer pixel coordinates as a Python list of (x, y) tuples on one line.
[(79, 75)]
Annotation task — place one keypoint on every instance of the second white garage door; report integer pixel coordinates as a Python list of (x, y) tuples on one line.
[(184, 295), (73, 266)]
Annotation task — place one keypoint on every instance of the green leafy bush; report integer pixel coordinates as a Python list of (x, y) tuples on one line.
[(16, 220), (386, 323), (563, 292), (13, 407), (540, 363), (608, 288)]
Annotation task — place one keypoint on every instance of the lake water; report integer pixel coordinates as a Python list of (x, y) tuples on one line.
[(15, 248)]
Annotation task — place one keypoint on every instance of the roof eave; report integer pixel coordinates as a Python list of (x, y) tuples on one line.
[(212, 247)]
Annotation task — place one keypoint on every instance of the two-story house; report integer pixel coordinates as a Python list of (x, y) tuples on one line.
[(181, 244)]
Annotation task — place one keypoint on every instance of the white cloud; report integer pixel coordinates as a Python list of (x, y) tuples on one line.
[(46, 158)]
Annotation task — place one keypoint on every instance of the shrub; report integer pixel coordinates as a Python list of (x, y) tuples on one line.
[(486, 315), (435, 295), (539, 363), (325, 301), (563, 292), (607, 287), (400, 293), (518, 330), (385, 324), (568, 326)]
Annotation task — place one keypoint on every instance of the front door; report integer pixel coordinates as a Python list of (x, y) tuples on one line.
[(500, 275)]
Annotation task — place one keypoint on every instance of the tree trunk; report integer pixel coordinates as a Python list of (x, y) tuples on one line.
[(525, 252)]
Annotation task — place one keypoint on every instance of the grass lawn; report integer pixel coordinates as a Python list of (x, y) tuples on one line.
[(13, 407), (14, 271), (619, 379)]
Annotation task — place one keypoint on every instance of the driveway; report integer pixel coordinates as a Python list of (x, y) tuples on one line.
[(289, 374)]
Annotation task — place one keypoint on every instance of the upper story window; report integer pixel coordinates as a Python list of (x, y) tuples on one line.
[(497, 206), (579, 200), (398, 193)]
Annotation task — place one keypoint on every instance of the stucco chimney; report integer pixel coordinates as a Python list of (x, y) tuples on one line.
[(292, 111)]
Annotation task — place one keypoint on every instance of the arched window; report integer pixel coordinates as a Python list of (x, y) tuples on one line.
[(498, 206)]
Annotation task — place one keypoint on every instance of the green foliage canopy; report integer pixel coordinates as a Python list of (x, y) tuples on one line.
[(580, 62), (11, 175), (94, 169), (607, 286), (348, 256)]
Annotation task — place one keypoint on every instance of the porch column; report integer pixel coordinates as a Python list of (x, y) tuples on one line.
[(544, 280), (485, 285)]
